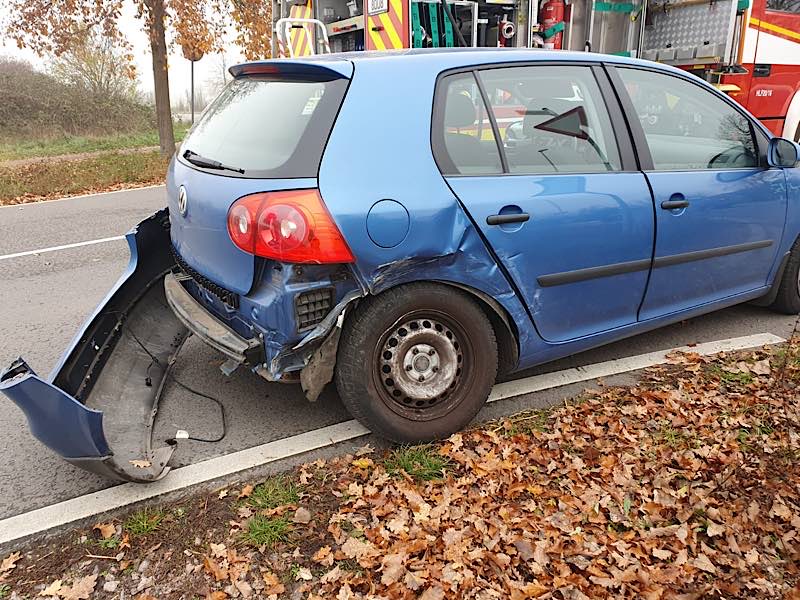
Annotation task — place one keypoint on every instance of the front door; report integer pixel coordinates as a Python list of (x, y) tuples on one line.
[(558, 199), (719, 212)]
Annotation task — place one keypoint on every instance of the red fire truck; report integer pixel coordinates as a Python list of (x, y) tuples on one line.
[(751, 51), (769, 54)]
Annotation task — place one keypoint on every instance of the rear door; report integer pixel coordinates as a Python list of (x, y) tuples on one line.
[(720, 211), (548, 175)]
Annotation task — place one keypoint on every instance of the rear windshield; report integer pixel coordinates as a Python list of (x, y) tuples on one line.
[(268, 126)]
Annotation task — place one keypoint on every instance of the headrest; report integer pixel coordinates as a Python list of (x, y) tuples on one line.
[(459, 111), (548, 88)]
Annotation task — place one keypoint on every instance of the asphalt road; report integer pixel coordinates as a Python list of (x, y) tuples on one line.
[(45, 297)]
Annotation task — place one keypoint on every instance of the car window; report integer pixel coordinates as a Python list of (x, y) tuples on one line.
[(552, 119), (790, 6), (463, 134), (268, 126), (688, 127)]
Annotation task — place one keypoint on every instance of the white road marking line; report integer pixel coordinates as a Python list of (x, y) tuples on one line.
[(54, 200), (69, 511), (64, 247)]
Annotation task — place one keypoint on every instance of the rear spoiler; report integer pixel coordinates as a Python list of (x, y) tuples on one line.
[(318, 68), (97, 407)]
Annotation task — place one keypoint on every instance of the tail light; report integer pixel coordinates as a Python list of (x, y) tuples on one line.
[(289, 226)]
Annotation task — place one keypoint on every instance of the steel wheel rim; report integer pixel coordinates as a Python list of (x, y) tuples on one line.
[(420, 365)]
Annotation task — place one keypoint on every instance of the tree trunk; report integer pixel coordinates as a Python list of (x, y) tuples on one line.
[(158, 47)]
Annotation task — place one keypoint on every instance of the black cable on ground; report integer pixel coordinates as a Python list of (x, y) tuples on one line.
[(221, 412), (168, 376)]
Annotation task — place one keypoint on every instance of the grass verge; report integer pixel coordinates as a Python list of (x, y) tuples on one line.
[(54, 146), (422, 462), (266, 531), (45, 180), (274, 492), (143, 522)]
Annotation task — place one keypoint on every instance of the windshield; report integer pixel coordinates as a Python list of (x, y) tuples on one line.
[(267, 127)]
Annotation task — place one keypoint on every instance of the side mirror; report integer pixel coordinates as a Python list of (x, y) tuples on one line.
[(782, 153)]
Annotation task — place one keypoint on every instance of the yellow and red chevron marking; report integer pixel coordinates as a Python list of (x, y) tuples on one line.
[(775, 29), (389, 30), (300, 39)]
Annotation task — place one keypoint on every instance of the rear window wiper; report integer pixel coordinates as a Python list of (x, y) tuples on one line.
[(208, 163)]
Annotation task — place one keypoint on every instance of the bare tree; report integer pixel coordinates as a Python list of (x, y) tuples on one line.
[(218, 77), (97, 65)]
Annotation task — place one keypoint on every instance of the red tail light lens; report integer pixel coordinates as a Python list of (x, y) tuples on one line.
[(289, 226)]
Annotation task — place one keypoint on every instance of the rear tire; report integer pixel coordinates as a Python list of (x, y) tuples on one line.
[(417, 362), (788, 299)]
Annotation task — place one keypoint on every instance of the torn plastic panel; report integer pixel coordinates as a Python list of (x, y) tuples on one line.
[(314, 355), (97, 407)]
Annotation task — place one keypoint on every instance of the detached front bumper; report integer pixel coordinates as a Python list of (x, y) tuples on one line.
[(97, 407)]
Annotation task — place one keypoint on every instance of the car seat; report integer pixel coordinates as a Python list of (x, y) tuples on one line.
[(465, 149)]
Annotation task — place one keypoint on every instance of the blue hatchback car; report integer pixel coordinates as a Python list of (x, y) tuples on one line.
[(411, 224)]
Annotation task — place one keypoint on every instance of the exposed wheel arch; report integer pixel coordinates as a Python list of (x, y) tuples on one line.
[(505, 331), (786, 297)]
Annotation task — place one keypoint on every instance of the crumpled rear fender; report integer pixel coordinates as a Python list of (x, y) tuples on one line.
[(97, 407)]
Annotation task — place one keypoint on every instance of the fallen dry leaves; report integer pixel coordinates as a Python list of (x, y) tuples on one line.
[(685, 486), (8, 564), (106, 530), (79, 590), (54, 589)]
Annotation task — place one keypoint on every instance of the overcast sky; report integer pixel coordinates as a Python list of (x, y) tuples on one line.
[(210, 67)]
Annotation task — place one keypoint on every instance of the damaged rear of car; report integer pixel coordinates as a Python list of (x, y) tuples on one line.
[(198, 268), (288, 247)]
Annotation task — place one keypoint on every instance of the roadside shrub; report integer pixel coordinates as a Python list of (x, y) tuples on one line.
[(37, 105)]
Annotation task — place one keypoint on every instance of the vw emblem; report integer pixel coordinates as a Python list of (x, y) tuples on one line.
[(183, 201)]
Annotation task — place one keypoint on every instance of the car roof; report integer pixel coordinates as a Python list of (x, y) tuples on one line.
[(439, 59)]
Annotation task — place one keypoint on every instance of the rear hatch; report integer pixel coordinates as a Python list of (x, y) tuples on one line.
[(266, 131)]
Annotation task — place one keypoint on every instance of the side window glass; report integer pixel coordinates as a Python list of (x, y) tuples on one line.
[(552, 119), (688, 127), (790, 6), (468, 145)]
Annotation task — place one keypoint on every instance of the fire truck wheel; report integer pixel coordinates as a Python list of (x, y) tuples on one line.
[(788, 299), (417, 362)]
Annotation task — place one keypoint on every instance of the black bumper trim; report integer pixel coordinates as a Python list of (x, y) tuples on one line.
[(228, 297), (208, 328)]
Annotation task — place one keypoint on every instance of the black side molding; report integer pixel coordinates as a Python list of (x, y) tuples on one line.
[(644, 264), (593, 273), (677, 259)]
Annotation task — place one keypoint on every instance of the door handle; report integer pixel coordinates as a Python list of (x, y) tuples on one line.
[(507, 218), (675, 201), (762, 70)]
